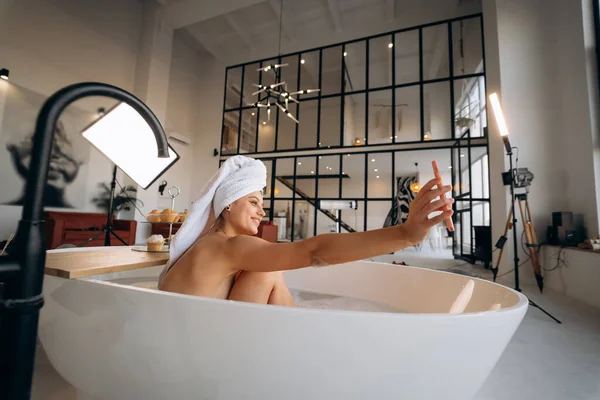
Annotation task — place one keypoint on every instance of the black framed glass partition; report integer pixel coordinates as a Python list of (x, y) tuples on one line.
[(388, 105), (395, 87)]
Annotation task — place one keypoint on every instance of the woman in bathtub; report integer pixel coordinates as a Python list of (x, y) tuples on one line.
[(215, 254)]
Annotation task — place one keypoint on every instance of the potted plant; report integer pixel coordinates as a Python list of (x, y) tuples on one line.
[(124, 198)]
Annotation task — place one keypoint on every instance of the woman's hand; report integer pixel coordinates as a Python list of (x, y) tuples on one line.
[(418, 223)]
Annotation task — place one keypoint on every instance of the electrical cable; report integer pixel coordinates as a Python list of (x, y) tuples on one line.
[(129, 198), (559, 260)]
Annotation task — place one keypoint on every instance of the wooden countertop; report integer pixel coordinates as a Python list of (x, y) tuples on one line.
[(81, 263)]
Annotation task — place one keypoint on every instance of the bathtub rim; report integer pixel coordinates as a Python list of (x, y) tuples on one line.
[(522, 303)]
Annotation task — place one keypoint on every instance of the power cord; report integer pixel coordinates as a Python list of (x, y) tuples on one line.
[(129, 198), (559, 260), (508, 272)]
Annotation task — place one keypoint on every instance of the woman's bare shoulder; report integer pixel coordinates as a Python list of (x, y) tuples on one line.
[(210, 243)]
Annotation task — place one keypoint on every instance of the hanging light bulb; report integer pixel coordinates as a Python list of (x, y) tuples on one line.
[(415, 187)]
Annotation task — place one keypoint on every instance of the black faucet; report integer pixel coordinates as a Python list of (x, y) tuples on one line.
[(22, 272)]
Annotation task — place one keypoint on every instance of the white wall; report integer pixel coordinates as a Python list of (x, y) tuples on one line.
[(48, 44), (538, 67), (578, 279)]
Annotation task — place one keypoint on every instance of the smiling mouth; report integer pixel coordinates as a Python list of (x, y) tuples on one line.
[(256, 220)]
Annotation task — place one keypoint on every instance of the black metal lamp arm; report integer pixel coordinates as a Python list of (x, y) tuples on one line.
[(22, 272)]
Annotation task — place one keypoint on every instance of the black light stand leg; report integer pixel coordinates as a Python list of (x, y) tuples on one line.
[(117, 236), (514, 221), (544, 311), (110, 207)]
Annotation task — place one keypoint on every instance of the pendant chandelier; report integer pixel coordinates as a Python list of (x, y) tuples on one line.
[(277, 94), (415, 187)]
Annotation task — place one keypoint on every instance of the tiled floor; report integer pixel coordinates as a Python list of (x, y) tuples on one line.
[(544, 360)]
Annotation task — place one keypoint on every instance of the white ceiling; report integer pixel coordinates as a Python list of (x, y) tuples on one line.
[(236, 31)]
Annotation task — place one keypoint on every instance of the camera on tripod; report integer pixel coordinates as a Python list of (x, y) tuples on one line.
[(522, 177)]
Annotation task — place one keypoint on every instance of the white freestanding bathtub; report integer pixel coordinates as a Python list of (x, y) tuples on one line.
[(112, 338)]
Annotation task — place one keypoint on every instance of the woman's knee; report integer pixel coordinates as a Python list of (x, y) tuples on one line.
[(265, 278)]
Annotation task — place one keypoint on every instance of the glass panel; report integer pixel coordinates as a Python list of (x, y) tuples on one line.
[(377, 212), (354, 120), (480, 210), (329, 177), (248, 131), (304, 217), (486, 177), (325, 222), (284, 179), (307, 128), (332, 70), (380, 117), (380, 62), (286, 134), (330, 122), (380, 176), (477, 175), (408, 114), (465, 185), (457, 242), (309, 73), (251, 78), (289, 73), (282, 217), (233, 88), (230, 132), (356, 66), (467, 107), (354, 218), (435, 52), (436, 102), (306, 168), (267, 190), (354, 166), (266, 208), (462, 205), (266, 131), (407, 57), (468, 49), (482, 103), (466, 232)]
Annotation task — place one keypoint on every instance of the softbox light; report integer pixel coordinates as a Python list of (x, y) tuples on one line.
[(134, 152)]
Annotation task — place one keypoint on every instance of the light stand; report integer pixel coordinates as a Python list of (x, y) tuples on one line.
[(504, 133), (22, 272), (108, 230)]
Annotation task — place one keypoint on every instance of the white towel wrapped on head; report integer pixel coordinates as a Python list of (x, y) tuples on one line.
[(237, 177)]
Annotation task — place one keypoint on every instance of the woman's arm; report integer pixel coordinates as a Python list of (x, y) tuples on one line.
[(254, 254)]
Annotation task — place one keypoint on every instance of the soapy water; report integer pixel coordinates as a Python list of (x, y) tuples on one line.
[(309, 299), (303, 298)]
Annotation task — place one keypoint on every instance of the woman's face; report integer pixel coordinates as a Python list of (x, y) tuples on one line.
[(246, 213)]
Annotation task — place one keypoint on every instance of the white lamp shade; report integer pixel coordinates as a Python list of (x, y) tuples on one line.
[(499, 114), (127, 140)]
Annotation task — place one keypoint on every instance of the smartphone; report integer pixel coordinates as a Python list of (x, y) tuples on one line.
[(438, 176)]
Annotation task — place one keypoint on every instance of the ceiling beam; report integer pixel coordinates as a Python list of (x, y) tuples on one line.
[(391, 10), (334, 12), (189, 12), (286, 26), (240, 32)]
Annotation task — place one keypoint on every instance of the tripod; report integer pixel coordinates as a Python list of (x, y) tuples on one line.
[(108, 230), (531, 238)]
